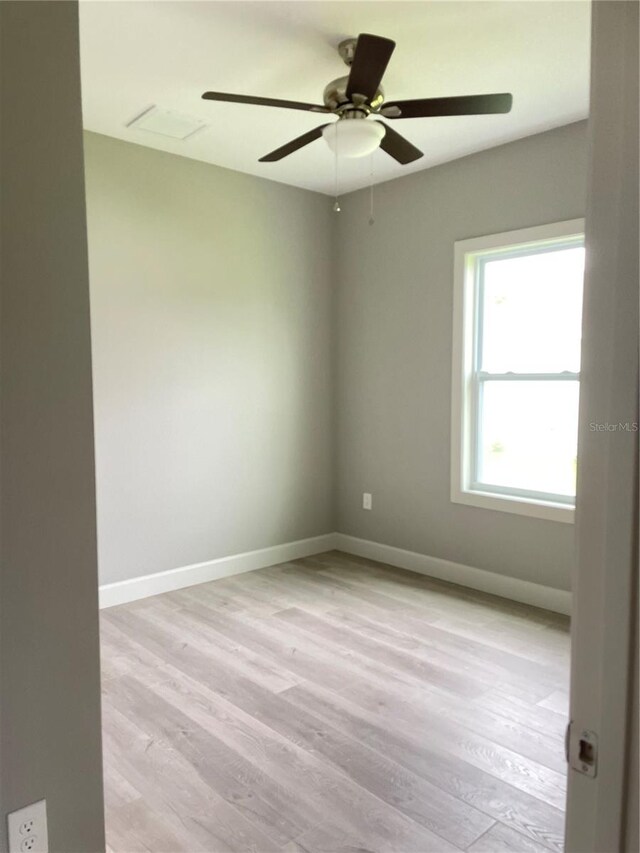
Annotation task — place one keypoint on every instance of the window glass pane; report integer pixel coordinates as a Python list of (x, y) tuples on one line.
[(532, 312), (528, 435)]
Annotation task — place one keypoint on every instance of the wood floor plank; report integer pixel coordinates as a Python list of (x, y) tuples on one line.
[(530, 676), (307, 657), (171, 794), (323, 839), (415, 749), (459, 656), (540, 747), (372, 771), (538, 642), (529, 713), (186, 630), (168, 640), (225, 771), (489, 756), (557, 701), (292, 760), (169, 785), (333, 704), (501, 839), (134, 829), (450, 591), (257, 702), (349, 808), (424, 670)]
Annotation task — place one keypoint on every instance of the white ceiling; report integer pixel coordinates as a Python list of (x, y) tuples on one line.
[(168, 52)]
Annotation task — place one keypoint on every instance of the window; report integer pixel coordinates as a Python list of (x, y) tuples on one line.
[(516, 370)]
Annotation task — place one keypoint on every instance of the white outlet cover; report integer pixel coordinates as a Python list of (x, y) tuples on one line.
[(367, 501), (27, 829)]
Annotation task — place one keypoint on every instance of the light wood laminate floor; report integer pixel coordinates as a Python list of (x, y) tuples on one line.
[(333, 705)]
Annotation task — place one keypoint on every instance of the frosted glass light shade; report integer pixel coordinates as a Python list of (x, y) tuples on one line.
[(353, 137)]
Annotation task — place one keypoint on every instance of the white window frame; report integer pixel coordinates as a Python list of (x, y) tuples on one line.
[(465, 338)]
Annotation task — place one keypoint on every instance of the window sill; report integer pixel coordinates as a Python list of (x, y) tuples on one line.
[(520, 506)]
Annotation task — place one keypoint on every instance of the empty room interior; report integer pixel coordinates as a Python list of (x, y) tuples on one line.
[(336, 267), (273, 384)]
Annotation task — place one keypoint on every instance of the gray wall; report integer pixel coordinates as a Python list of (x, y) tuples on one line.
[(211, 303), (49, 666), (394, 326)]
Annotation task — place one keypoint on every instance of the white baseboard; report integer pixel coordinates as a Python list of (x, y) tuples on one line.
[(121, 592), (535, 594), (526, 592)]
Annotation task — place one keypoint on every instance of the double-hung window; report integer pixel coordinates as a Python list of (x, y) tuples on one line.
[(516, 370)]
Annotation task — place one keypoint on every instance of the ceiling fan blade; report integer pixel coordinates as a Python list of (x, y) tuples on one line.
[(369, 64), (292, 146), (467, 105), (264, 102), (398, 147)]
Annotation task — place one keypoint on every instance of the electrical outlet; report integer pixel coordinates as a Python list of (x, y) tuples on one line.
[(28, 829), (367, 502)]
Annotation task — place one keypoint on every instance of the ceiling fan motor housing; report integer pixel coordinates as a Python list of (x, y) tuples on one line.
[(335, 98)]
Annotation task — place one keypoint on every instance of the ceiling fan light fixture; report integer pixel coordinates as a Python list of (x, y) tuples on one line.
[(355, 138), (354, 97)]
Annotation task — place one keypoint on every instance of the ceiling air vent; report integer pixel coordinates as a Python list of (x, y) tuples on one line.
[(167, 123)]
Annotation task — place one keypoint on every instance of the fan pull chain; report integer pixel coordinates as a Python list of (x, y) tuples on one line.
[(371, 216), (336, 203)]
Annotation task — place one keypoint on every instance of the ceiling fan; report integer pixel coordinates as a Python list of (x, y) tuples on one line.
[(358, 98)]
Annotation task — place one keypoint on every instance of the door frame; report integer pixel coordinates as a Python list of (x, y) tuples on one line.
[(605, 607)]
